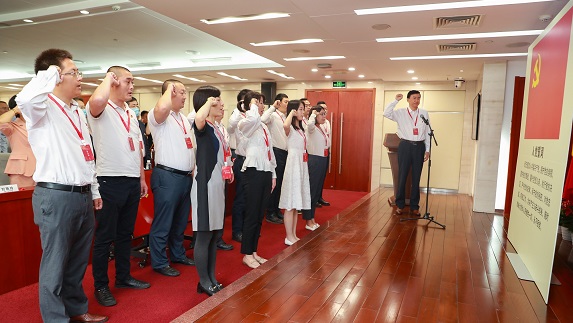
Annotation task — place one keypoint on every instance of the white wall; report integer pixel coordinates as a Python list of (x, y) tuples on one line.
[(514, 68)]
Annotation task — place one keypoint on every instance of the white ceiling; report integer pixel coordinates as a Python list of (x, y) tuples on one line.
[(151, 32)]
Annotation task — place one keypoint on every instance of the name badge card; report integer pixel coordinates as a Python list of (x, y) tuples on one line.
[(305, 156), (227, 172), (325, 152), (141, 145), (131, 144), (415, 131), (188, 143), (88, 153)]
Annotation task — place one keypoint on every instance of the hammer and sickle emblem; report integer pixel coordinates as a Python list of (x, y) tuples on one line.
[(536, 71)]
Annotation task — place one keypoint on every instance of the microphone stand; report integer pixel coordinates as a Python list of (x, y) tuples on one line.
[(426, 215)]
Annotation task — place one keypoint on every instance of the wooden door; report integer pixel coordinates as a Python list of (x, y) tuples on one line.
[(350, 113)]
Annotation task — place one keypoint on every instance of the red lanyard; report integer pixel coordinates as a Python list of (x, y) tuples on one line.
[(181, 125), (323, 134), (418, 111), (267, 143), (226, 150), (280, 116), (78, 131), (300, 132), (126, 125), (304, 120)]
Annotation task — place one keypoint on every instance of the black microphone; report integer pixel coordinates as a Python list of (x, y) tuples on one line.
[(424, 119)]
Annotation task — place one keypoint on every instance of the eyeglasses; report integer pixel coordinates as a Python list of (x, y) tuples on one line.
[(77, 74)]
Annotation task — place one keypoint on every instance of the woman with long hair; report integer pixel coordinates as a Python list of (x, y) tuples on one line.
[(295, 192)]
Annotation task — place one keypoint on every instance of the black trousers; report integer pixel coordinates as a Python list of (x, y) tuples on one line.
[(238, 211), (115, 222), (281, 157), (258, 186), (317, 166), (410, 157), (172, 204)]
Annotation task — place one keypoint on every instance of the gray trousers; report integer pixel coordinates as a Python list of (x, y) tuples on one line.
[(66, 223)]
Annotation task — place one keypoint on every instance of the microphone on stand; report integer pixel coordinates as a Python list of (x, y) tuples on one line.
[(424, 119)]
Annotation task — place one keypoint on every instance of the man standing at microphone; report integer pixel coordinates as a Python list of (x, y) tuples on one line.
[(414, 148)]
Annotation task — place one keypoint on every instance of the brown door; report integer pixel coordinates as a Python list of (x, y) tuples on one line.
[(350, 113)]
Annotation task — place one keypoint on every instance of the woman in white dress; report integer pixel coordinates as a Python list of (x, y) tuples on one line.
[(295, 191)]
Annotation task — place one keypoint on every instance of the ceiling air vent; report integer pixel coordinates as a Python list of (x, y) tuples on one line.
[(457, 21), (324, 65), (464, 47)]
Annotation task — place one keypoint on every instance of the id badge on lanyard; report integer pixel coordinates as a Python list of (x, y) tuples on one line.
[(131, 144), (87, 151)]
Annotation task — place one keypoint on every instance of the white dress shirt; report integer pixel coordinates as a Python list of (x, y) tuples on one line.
[(328, 131), (54, 141), (169, 140), (110, 136), (317, 138), (274, 120), (235, 139), (409, 120), (258, 142)]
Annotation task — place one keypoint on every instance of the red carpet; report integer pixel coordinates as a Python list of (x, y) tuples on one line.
[(170, 297)]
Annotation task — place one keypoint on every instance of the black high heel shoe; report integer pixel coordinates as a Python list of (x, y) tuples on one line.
[(209, 291)]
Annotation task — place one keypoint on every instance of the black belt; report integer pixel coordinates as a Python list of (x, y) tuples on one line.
[(68, 188), (412, 142), (173, 170)]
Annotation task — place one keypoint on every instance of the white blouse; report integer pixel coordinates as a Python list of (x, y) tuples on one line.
[(258, 142)]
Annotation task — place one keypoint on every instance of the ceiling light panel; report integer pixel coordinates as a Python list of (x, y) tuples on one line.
[(146, 79), (295, 59), (281, 74), (232, 76), (288, 42), (189, 78), (444, 6), (226, 20), (462, 36), (457, 56)]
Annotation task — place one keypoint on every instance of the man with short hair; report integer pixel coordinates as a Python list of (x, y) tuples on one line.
[(117, 141), (172, 179), (274, 118), (67, 190), (328, 131), (414, 147)]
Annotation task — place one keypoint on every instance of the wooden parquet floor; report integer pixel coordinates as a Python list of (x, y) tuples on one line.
[(367, 266)]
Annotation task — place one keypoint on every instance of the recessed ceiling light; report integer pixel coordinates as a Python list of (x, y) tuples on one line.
[(443, 6), (314, 69), (227, 20), (232, 76), (281, 74), (410, 71), (288, 42), (28, 20), (294, 59), (461, 71), (457, 56), (84, 12), (351, 69), (327, 76), (361, 76), (189, 78), (414, 78), (370, 82), (418, 83), (462, 36)]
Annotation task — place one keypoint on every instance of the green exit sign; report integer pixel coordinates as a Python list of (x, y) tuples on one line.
[(339, 84)]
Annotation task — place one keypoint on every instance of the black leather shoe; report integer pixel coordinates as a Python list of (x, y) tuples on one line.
[(132, 283), (209, 291), (219, 286), (185, 261), (223, 246), (280, 216), (238, 236), (167, 271), (323, 202), (272, 218), (88, 318), (104, 297), (317, 205)]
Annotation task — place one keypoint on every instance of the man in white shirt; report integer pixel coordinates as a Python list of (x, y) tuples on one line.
[(67, 190), (274, 118), (117, 141), (171, 180), (414, 147)]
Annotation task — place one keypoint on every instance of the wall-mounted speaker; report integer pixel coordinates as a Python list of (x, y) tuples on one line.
[(269, 90)]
